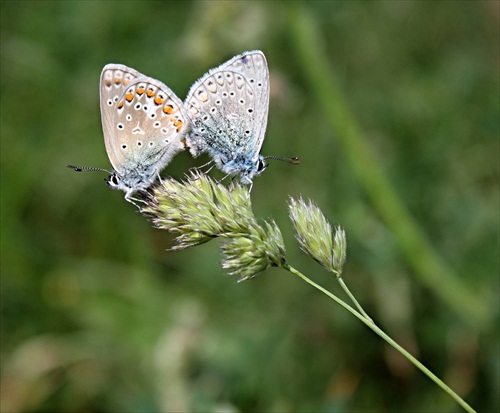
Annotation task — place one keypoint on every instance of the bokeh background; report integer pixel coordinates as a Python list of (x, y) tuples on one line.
[(98, 316)]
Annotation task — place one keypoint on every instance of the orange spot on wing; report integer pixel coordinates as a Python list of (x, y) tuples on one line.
[(129, 97), (118, 80), (140, 90), (159, 100), (120, 105), (178, 125), (150, 93), (168, 109)]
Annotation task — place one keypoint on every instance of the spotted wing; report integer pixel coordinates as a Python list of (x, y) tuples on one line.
[(114, 80), (228, 108), (147, 126)]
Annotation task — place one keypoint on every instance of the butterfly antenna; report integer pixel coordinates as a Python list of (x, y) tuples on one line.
[(87, 169), (294, 160)]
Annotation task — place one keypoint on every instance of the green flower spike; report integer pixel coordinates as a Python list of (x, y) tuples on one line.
[(316, 237), (200, 209)]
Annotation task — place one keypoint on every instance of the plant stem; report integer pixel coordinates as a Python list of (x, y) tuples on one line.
[(429, 267), (369, 323), (353, 299)]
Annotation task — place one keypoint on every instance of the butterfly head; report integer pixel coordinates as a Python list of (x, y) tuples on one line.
[(115, 181), (132, 181), (256, 168), (244, 167)]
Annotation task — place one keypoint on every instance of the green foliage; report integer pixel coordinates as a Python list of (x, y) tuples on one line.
[(97, 316)]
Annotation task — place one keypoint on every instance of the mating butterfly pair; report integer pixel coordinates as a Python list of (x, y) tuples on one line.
[(145, 124)]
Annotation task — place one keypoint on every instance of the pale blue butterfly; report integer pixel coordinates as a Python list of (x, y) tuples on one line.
[(227, 109), (143, 124)]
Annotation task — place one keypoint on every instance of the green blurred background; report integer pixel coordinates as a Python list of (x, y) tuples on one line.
[(98, 316)]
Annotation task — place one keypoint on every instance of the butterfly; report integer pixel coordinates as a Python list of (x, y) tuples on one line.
[(227, 110), (144, 126)]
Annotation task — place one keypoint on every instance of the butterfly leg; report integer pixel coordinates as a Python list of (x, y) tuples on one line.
[(129, 198), (224, 177), (209, 169), (159, 178), (199, 168)]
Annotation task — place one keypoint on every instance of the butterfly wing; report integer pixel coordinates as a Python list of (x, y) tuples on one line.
[(228, 109), (114, 80), (147, 128)]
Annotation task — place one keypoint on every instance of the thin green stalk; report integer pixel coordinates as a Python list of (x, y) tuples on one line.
[(369, 323), (353, 299), (324, 291), (428, 266)]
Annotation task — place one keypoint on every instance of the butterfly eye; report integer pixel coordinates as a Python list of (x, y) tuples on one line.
[(114, 180), (261, 165)]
